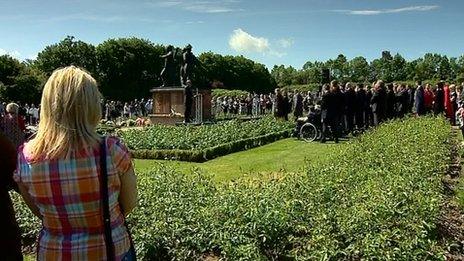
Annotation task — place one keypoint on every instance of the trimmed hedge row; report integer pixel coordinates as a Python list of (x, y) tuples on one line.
[(213, 152)]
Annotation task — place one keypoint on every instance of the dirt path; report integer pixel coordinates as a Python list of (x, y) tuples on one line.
[(451, 221)]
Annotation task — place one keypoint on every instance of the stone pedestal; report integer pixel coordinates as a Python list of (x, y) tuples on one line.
[(169, 105)]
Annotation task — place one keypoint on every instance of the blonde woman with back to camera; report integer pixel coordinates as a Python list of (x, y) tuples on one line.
[(61, 175)]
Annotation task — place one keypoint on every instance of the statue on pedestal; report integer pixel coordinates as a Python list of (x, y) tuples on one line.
[(169, 70), (188, 65)]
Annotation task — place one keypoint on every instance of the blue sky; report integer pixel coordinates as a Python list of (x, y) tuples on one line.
[(288, 32)]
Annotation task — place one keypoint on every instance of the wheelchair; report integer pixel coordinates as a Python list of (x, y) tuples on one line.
[(309, 128)]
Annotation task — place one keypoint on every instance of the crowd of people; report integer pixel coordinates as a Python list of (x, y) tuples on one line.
[(349, 107), (113, 110)]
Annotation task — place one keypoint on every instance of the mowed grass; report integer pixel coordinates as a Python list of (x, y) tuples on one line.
[(288, 155)]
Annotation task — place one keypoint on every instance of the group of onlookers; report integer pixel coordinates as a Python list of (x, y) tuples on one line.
[(344, 108), (261, 104), (137, 108)]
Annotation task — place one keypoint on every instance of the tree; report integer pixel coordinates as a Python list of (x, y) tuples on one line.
[(67, 52), (19, 82), (128, 67), (358, 70)]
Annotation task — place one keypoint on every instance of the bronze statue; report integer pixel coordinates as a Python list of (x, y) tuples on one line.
[(188, 65), (168, 72)]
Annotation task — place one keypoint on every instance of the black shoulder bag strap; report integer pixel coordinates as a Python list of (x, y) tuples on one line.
[(110, 256)]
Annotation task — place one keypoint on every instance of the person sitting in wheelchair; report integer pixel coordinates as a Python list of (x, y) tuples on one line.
[(313, 117)]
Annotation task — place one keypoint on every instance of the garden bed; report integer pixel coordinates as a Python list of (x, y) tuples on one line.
[(378, 198), (202, 143)]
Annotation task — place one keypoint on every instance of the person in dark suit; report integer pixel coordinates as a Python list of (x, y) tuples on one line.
[(402, 98), (279, 105), (378, 103), (419, 100), (298, 104), (334, 104), (350, 104), (368, 117), (360, 106), (287, 106), (391, 102), (10, 239)]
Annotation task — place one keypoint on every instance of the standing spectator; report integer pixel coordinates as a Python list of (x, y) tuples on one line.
[(68, 199), (10, 238), (378, 103), (448, 104), (439, 99), (333, 102), (369, 117), (279, 106), (126, 110), (13, 125), (287, 106), (428, 98), (360, 106), (298, 101), (34, 111), (350, 104), (402, 98), (391, 102), (419, 105), (411, 93), (454, 103)]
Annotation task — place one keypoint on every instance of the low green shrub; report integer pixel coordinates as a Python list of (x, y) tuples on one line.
[(160, 137), (378, 199), (212, 152)]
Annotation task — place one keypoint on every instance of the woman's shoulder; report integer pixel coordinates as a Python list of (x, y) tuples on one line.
[(115, 143)]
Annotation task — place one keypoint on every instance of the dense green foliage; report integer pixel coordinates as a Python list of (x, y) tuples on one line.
[(19, 82), (128, 68), (388, 68), (377, 199), (202, 155), (228, 93), (199, 137), (235, 72)]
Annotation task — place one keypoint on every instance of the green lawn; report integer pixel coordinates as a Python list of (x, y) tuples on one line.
[(288, 155)]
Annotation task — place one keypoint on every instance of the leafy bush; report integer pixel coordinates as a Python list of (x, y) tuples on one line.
[(212, 152), (229, 93), (160, 137), (378, 199)]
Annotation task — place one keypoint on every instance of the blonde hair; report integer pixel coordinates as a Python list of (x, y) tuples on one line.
[(12, 108), (70, 112)]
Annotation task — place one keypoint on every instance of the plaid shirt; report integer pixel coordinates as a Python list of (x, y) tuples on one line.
[(67, 193)]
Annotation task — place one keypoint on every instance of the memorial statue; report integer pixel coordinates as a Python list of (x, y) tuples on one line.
[(188, 65), (169, 70)]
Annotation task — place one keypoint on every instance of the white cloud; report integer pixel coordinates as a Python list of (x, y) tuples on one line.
[(243, 42), (286, 42), (13, 53), (200, 6), (419, 8)]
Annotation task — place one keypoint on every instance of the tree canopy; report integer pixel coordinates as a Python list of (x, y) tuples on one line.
[(127, 68)]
